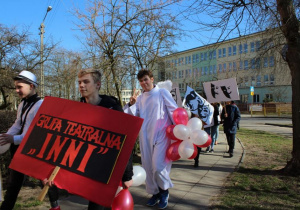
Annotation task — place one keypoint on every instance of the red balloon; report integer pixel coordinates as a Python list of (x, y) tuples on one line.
[(207, 143), (180, 116), (123, 201), (172, 151), (195, 152), (170, 134)]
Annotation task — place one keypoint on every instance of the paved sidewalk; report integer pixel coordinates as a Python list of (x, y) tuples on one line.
[(194, 188)]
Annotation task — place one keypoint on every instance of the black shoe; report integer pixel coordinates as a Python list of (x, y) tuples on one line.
[(231, 154), (196, 164)]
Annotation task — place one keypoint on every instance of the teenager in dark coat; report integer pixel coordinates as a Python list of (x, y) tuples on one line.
[(231, 116)]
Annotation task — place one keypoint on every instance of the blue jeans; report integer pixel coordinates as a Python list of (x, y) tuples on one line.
[(214, 135)]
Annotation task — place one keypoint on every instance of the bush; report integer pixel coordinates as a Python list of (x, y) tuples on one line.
[(7, 119)]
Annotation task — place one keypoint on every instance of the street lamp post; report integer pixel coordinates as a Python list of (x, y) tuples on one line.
[(42, 31)]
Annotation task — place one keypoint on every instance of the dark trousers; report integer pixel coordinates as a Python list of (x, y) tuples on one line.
[(198, 154), (15, 182), (95, 206), (231, 141)]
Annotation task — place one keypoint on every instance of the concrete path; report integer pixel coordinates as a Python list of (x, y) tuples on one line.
[(194, 188)]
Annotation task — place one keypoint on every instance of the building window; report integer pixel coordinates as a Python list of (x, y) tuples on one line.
[(244, 98), (271, 61), (210, 70), (245, 48), (214, 54), (224, 67), (230, 67), (272, 79), (220, 68), (175, 62), (253, 63), (240, 48), (201, 56), (179, 62), (224, 52), (186, 60), (234, 66), (202, 71), (252, 46), (205, 70), (194, 58), (229, 51), (189, 59), (205, 56), (220, 53), (246, 64), (268, 97), (197, 58), (257, 46), (266, 79), (258, 63), (258, 80), (234, 50), (241, 65), (256, 98), (215, 69), (252, 80)]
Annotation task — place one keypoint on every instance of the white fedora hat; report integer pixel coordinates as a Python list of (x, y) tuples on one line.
[(28, 77)]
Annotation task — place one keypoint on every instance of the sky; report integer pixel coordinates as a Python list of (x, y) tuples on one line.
[(59, 22)]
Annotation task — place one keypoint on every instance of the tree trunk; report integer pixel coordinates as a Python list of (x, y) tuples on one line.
[(290, 29)]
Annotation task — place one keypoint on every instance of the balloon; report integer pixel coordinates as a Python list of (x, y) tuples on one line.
[(181, 132), (139, 176), (170, 133), (195, 152), (4, 148), (172, 151), (123, 201), (186, 149), (208, 142), (180, 116), (199, 137), (189, 112), (194, 124)]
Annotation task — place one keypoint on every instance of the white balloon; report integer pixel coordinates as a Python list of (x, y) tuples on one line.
[(189, 112), (194, 124), (186, 149), (181, 132), (199, 137), (139, 176), (4, 148)]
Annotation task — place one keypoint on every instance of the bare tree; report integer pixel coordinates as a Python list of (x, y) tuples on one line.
[(62, 68), (243, 16), (112, 26)]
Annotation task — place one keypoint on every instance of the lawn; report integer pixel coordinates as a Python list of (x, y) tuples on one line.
[(258, 183)]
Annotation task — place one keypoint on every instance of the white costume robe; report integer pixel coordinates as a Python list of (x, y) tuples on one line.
[(156, 108)]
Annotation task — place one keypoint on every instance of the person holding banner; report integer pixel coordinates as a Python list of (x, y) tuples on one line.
[(89, 81), (231, 116), (25, 84), (156, 106)]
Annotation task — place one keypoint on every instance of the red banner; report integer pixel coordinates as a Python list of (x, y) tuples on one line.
[(90, 144)]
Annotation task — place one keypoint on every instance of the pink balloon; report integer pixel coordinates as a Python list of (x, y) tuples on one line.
[(172, 151), (180, 116), (169, 132), (123, 201), (207, 143)]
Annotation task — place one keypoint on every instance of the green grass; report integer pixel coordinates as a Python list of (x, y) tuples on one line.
[(258, 183)]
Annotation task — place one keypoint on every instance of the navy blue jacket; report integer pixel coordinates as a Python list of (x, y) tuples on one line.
[(231, 122)]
